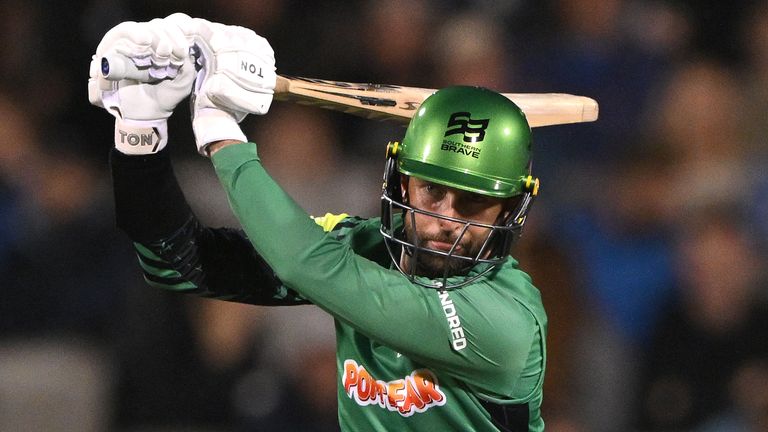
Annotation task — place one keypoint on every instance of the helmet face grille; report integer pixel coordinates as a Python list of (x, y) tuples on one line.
[(493, 251)]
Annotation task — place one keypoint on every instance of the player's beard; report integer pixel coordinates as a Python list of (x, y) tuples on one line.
[(433, 265)]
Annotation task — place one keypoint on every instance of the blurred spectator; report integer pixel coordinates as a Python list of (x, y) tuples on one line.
[(660, 27), (553, 271), (300, 149), (714, 26), (393, 41), (748, 410), (471, 49), (686, 160), (18, 165), (754, 31), (712, 124), (64, 275), (179, 360), (755, 39), (300, 391), (700, 119), (64, 268), (619, 242), (714, 328), (585, 49)]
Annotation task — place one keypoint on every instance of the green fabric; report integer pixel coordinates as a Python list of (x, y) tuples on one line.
[(162, 273), (388, 329)]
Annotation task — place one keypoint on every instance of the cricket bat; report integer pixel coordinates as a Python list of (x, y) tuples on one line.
[(386, 101)]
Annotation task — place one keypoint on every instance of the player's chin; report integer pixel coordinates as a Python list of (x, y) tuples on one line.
[(434, 266)]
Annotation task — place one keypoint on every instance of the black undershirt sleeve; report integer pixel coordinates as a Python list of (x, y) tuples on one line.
[(149, 203)]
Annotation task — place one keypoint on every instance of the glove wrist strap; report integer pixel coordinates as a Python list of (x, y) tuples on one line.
[(212, 125), (140, 137)]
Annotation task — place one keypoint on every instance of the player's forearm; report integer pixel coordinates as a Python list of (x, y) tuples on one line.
[(273, 221), (149, 203), (213, 263), (218, 145), (175, 251)]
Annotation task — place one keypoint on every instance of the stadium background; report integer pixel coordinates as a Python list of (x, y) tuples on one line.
[(648, 241)]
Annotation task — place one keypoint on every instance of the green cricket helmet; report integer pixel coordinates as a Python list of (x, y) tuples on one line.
[(468, 138)]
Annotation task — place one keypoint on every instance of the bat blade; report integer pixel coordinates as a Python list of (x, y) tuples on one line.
[(399, 103), (372, 101), (548, 109)]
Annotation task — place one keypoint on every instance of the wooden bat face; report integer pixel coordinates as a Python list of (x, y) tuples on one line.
[(373, 101), (399, 103)]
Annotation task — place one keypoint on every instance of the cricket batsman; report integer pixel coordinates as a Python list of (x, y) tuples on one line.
[(437, 328)]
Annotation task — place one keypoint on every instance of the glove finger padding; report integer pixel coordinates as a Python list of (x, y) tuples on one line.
[(226, 92), (171, 49), (244, 78), (133, 36)]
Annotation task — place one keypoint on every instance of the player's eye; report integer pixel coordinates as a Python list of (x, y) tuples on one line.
[(434, 191), (477, 199)]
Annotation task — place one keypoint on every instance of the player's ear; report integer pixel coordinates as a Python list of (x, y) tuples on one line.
[(404, 187)]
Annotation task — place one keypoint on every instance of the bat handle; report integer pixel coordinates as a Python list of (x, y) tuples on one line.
[(116, 67), (282, 85)]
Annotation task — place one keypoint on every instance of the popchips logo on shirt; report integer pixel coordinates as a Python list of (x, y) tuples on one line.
[(415, 393)]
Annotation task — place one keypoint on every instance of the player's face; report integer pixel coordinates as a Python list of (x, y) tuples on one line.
[(440, 234)]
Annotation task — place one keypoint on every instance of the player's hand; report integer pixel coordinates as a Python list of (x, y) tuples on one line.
[(236, 77), (141, 109)]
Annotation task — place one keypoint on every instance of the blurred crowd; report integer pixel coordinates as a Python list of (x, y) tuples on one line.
[(648, 242)]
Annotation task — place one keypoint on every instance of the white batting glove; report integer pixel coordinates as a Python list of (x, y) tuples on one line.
[(236, 77), (142, 108)]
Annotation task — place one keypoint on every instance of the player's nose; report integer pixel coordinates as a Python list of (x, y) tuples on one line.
[(450, 210)]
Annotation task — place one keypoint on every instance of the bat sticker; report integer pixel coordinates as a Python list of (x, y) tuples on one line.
[(364, 100), (410, 106), (349, 85)]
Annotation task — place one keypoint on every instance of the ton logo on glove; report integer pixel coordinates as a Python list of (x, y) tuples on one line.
[(133, 139), (252, 68)]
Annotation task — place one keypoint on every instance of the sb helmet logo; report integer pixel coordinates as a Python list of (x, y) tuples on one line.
[(462, 123)]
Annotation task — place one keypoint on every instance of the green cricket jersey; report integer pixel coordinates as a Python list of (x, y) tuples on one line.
[(408, 357), (444, 353)]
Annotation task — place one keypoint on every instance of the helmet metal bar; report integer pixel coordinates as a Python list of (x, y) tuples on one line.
[(388, 232), (487, 240), (417, 241)]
